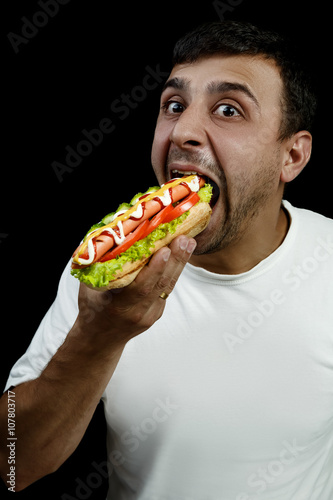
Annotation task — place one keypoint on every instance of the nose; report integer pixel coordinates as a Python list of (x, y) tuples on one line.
[(188, 131)]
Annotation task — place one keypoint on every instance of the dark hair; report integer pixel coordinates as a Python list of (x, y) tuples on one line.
[(238, 38)]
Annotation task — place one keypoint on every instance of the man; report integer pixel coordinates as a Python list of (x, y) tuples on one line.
[(228, 392)]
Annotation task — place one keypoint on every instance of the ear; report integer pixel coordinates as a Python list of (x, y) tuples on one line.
[(297, 154)]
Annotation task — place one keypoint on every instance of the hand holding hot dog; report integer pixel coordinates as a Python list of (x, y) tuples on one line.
[(115, 316), (135, 254), (117, 248)]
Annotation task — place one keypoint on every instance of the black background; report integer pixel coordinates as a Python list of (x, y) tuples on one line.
[(64, 80)]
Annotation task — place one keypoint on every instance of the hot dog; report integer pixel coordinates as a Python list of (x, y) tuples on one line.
[(115, 250)]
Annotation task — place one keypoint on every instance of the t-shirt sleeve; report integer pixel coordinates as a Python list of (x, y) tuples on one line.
[(50, 334)]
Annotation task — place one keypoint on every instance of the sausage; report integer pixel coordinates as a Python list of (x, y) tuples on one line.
[(104, 242)]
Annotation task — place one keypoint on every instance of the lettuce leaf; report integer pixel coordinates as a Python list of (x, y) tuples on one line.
[(100, 273), (205, 193)]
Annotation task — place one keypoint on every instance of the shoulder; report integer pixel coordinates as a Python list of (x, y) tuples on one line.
[(309, 223), (312, 235), (305, 216)]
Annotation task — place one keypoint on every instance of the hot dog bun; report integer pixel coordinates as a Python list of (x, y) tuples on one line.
[(195, 223)]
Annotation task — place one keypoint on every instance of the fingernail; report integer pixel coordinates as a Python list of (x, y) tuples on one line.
[(191, 246), (183, 243), (166, 254)]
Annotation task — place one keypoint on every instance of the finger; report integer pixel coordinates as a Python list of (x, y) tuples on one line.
[(161, 273), (140, 305), (162, 267), (145, 282), (181, 250)]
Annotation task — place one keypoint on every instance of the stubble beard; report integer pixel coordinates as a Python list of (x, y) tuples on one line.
[(242, 203)]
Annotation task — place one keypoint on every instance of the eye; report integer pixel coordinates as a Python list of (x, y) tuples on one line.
[(226, 110), (173, 107)]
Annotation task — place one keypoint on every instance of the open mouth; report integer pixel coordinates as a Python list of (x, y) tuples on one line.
[(183, 173)]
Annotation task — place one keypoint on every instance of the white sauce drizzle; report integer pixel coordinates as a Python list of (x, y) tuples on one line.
[(91, 250), (146, 194), (166, 198), (91, 254), (117, 238), (138, 213), (194, 186), (118, 213)]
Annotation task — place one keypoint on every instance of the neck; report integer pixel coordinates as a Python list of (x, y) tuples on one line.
[(257, 242)]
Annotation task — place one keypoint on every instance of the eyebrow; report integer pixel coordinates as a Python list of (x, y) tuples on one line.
[(222, 87), (213, 87), (177, 83)]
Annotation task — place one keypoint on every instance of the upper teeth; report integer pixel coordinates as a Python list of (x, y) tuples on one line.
[(184, 172)]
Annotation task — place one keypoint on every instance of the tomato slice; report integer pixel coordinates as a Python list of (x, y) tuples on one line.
[(191, 200), (130, 239), (157, 220), (167, 214)]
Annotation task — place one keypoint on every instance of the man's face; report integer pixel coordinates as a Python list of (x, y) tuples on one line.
[(221, 117)]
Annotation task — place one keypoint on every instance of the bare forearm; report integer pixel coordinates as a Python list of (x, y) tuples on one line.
[(53, 411)]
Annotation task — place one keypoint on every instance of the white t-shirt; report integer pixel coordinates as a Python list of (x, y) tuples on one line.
[(229, 396)]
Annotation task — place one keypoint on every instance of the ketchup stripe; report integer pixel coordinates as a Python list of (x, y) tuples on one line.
[(93, 254)]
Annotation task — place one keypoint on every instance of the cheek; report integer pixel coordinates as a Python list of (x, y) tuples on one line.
[(234, 149), (160, 150), (244, 156), (245, 153), (245, 145), (261, 144), (251, 171)]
